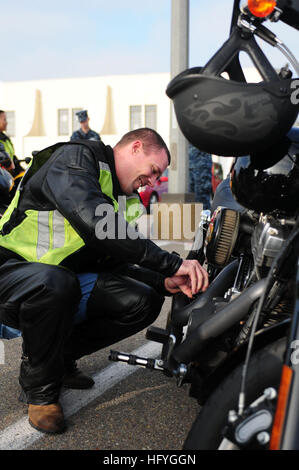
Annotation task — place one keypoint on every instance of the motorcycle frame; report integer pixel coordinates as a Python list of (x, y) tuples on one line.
[(289, 438), (289, 328), (289, 432), (263, 337)]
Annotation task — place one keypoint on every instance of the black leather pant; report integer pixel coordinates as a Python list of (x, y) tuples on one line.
[(119, 306), (41, 301)]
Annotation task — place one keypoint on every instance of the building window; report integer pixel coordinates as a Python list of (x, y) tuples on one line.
[(150, 116), (75, 121), (63, 122), (135, 117), (11, 123), (143, 116)]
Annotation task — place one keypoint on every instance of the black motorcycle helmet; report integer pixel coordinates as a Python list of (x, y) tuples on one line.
[(231, 117), (269, 181)]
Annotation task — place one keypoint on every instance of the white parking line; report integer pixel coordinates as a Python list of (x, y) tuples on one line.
[(20, 435), (162, 242)]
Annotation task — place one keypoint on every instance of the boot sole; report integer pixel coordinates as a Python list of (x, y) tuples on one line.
[(77, 387), (44, 431)]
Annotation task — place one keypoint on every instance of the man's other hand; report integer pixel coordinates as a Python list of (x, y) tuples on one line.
[(190, 278)]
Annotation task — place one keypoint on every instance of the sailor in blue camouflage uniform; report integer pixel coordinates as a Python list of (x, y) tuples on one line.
[(84, 133), (200, 176)]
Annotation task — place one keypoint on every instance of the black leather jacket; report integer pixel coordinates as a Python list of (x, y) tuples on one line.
[(68, 182)]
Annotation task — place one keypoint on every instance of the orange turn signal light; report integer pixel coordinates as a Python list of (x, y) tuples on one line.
[(283, 395), (261, 8)]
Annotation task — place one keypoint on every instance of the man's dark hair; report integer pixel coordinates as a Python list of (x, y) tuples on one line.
[(150, 139), (1, 111)]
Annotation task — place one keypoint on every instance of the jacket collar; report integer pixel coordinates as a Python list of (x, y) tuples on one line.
[(117, 191)]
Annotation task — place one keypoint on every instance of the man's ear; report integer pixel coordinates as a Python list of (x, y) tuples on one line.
[(136, 146)]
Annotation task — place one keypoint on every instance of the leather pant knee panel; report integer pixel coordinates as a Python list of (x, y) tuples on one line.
[(122, 299), (118, 307)]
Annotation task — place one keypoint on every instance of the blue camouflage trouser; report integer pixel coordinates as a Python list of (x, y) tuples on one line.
[(200, 181)]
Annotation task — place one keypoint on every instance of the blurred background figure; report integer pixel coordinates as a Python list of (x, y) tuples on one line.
[(8, 159), (200, 176), (84, 133), (6, 145)]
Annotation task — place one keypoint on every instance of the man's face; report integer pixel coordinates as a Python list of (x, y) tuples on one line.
[(141, 169), (3, 122), (85, 125)]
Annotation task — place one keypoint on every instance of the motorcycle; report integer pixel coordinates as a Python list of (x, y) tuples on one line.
[(236, 343)]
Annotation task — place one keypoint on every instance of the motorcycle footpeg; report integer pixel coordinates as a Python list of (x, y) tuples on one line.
[(159, 335), (133, 360)]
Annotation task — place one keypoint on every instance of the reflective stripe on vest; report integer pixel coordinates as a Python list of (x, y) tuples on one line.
[(51, 232), (43, 234)]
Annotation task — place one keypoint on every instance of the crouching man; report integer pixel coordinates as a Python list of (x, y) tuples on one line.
[(74, 275)]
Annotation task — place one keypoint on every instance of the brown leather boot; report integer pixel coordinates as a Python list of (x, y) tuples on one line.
[(47, 418)]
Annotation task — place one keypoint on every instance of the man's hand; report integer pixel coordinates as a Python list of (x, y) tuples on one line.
[(190, 278), (176, 284)]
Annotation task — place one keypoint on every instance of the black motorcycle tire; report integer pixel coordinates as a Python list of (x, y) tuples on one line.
[(264, 371)]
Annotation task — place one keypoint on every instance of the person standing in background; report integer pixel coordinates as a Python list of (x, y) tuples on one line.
[(200, 176), (84, 133)]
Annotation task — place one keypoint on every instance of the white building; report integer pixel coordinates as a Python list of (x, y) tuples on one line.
[(42, 112)]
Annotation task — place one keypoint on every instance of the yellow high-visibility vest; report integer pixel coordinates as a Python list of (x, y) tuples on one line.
[(47, 236)]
